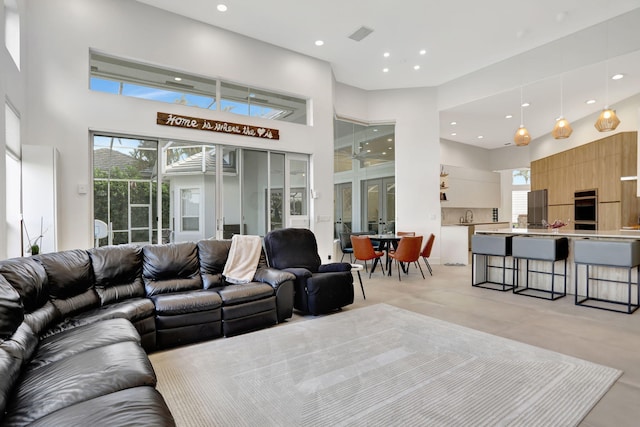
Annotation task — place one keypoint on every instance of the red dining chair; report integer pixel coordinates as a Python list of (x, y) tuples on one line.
[(408, 251), (401, 234), (363, 251), (426, 251)]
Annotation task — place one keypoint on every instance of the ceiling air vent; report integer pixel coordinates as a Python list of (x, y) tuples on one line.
[(360, 33)]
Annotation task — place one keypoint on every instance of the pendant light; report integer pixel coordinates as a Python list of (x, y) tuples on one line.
[(607, 120), (521, 138), (562, 128)]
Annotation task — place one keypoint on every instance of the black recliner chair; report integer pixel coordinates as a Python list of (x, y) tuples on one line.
[(319, 288)]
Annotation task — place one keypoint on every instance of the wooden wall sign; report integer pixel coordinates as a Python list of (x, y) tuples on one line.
[(175, 120)]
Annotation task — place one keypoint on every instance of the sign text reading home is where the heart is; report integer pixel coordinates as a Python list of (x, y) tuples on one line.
[(167, 119)]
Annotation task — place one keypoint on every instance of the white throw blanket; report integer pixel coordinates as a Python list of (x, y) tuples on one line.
[(243, 258)]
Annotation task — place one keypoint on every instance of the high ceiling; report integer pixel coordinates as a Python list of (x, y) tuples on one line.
[(487, 43)]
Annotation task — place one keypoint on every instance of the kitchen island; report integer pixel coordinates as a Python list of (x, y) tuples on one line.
[(604, 290)]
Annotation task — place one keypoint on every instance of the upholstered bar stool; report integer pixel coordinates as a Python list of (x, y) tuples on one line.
[(613, 255), (540, 249), (483, 248)]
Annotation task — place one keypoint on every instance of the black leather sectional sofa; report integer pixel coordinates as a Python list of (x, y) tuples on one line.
[(75, 327)]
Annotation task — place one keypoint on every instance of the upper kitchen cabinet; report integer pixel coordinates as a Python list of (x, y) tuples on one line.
[(472, 188)]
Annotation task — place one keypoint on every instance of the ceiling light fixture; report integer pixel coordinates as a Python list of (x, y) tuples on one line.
[(423, 52), (453, 123), (525, 104), (617, 76), (607, 120), (508, 116), (521, 138), (385, 70), (222, 8), (386, 54), (319, 42), (590, 101), (562, 129), (416, 67), (178, 79)]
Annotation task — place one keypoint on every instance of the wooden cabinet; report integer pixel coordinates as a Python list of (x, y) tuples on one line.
[(609, 216), (597, 165), (563, 213), (608, 181)]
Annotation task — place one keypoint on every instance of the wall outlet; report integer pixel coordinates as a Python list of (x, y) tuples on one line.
[(329, 257)]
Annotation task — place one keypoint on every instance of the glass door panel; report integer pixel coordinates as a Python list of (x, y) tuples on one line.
[(277, 213), (378, 205), (298, 191), (255, 176), (343, 208), (372, 207), (231, 203)]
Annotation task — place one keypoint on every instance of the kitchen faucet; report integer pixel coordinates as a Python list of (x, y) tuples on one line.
[(467, 217)]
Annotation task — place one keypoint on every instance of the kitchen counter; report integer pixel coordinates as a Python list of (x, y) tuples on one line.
[(608, 234), (607, 290)]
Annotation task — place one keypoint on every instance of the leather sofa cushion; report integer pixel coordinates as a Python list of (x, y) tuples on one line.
[(292, 247), (69, 272), (238, 294), (28, 277), (75, 379), (133, 309), (186, 302), (70, 278), (249, 308), (11, 310), (326, 291), (14, 353), (135, 406), (213, 256), (118, 272), (171, 268), (81, 339)]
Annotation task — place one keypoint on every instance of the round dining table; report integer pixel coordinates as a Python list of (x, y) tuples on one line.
[(387, 242)]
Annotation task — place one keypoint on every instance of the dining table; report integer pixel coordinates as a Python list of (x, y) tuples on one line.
[(388, 241)]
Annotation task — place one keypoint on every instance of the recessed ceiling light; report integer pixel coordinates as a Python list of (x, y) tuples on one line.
[(222, 8), (416, 67), (386, 54), (385, 70), (453, 123), (368, 151), (384, 153), (389, 139), (480, 136), (423, 52), (319, 42), (508, 116), (453, 134), (525, 104), (617, 76), (389, 148), (178, 79), (590, 101)]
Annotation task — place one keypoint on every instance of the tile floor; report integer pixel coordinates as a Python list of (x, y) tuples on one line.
[(612, 339)]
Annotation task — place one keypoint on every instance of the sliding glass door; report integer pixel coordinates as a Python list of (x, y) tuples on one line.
[(207, 191)]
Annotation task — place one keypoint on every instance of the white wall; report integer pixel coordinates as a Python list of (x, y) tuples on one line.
[(62, 110)]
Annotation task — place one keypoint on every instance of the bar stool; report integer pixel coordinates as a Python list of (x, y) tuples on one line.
[(540, 249), (611, 254), (485, 246)]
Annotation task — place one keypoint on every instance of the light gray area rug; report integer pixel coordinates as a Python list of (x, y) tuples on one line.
[(378, 365)]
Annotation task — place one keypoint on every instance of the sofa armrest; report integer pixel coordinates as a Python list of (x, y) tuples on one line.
[(272, 276), (334, 267)]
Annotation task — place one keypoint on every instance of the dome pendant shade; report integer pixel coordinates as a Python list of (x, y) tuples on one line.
[(607, 121), (522, 138), (562, 129)]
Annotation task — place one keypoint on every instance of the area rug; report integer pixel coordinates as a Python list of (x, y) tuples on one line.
[(376, 366)]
